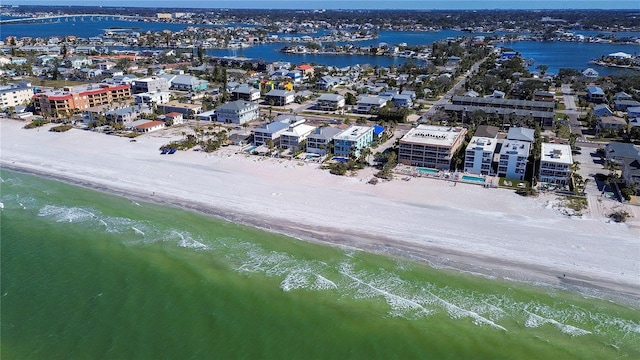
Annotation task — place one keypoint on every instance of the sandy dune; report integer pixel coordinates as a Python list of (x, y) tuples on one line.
[(489, 231)]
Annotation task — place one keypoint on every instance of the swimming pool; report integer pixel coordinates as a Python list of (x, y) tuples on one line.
[(250, 150), (341, 159), (427, 170), (472, 178)]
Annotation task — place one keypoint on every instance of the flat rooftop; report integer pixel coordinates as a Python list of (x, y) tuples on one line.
[(484, 143), (556, 153), (433, 135), (353, 133)]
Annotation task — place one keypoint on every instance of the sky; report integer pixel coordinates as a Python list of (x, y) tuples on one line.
[(350, 4)]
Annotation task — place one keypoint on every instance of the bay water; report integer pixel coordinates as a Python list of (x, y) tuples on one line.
[(89, 275)]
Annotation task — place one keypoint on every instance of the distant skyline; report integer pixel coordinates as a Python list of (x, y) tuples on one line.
[(348, 4)]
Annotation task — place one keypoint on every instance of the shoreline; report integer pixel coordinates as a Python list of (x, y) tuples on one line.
[(483, 258)]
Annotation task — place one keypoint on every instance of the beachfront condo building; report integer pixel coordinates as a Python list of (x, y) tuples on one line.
[(295, 135), (319, 141), (352, 140), (555, 164), (513, 159), (13, 95), (72, 99), (274, 130), (430, 146), (478, 157), (237, 112)]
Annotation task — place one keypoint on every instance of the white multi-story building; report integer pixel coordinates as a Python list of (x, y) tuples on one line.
[(156, 97), (319, 141), (149, 84), (430, 146), (294, 135), (513, 159), (479, 155), (237, 112), (13, 95), (353, 138), (555, 163), (274, 130)]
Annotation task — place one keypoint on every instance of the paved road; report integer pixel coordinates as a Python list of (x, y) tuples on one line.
[(572, 111)]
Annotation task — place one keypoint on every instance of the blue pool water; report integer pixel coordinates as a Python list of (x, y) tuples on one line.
[(427, 170), (472, 178), (341, 159), (250, 150)]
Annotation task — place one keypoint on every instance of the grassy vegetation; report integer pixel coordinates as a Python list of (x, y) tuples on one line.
[(576, 204), (61, 128), (36, 81), (35, 123), (512, 183)]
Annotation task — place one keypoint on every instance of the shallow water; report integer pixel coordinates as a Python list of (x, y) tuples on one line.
[(87, 275)]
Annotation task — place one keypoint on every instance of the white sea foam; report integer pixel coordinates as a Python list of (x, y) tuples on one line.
[(137, 231), (535, 320), (1, 205), (65, 214), (458, 312), (186, 240)]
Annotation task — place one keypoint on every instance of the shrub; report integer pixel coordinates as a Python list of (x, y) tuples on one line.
[(619, 216), (61, 128)]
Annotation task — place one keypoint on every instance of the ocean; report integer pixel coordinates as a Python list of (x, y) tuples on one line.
[(88, 275)]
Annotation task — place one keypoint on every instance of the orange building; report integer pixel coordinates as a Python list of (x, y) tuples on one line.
[(64, 102)]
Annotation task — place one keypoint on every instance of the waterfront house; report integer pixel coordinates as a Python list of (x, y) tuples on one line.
[(595, 94), (189, 111), (149, 126), (210, 115), (280, 97), (352, 140), (237, 112), (590, 74), (330, 102), (271, 131), (127, 114), (478, 157), (512, 163), (555, 164), (295, 135), (156, 97), (245, 92), (149, 84), (631, 171), (617, 152), (319, 141), (176, 118), (369, 104), (430, 146)]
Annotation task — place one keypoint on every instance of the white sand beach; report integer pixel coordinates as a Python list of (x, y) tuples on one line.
[(489, 231)]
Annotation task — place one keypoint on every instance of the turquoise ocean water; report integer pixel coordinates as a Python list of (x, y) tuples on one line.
[(86, 275)]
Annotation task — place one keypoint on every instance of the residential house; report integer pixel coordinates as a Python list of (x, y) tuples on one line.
[(295, 76), (127, 114), (272, 131), (189, 111), (512, 163), (306, 70), (327, 83), (352, 140), (623, 105), (149, 84), (185, 82), (280, 97), (237, 112), (12, 95), (595, 94), (542, 95), (149, 126), (617, 152), (487, 131), (631, 171), (369, 104), (521, 134), (590, 74), (246, 93), (430, 146), (210, 115), (156, 97), (600, 110), (555, 164), (478, 157), (611, 122), (319, 141), (78, 62), (402, 101), (295, 135), (176, 118), (330, 102), (622, 96)]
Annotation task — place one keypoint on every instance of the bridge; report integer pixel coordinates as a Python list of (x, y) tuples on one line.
[(73, 17)]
